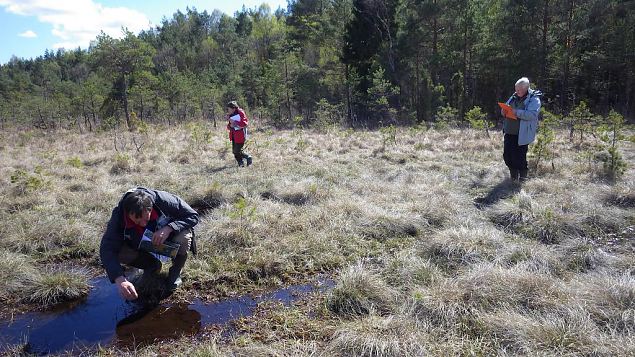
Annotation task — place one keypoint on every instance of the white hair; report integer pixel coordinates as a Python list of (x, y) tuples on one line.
[(524, 81)]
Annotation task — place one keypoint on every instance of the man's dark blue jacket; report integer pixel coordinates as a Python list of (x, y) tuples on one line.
[(181, 217)]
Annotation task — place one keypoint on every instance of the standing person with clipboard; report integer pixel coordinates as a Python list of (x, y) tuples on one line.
[(237, 126), (521, 112)]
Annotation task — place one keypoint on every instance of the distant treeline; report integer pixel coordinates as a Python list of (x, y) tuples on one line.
[(348, 62)]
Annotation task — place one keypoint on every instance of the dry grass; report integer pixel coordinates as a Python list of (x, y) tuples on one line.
[(57, 285), (359, 291), (489, 287), (407, 270), (461, 246), (441, 304), (15, 350), (15, 271), (379, 336), (432, 250), (568, 332), (610, 300), (533, 257)]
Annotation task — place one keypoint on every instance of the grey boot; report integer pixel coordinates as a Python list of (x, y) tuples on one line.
[(174, 274)]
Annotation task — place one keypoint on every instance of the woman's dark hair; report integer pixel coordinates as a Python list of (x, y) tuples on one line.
[(232, 104), (137, 202)]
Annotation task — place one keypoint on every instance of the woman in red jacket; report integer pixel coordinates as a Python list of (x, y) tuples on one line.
[(237, 126)]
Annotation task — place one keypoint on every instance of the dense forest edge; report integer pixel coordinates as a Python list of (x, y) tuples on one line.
[(352, 63)]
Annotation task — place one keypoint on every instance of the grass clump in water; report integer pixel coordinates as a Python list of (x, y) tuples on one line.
[(57, 285)]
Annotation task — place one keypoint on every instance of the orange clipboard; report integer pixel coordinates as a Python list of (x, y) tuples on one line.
[(508, 111)]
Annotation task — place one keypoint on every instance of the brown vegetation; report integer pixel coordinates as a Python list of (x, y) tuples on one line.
[(427, 258)]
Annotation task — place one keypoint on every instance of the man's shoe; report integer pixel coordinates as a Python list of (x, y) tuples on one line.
[(174, 274), (241, 164), (176, 284), (249, 161)]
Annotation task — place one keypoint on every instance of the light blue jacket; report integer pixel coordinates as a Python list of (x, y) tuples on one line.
[(528, 117)]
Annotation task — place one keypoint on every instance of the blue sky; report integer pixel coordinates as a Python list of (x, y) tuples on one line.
[(28, 27)]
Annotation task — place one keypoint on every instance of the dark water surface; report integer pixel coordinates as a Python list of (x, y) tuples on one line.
[(104, 318)]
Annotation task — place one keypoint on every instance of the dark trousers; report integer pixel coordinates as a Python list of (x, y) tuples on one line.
[(138, 259), (515, 156), (239, 154)]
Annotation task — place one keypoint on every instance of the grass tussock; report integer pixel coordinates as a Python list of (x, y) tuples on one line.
[(43, 235), (121, 164), (265, 265), (441, 304), (534, 214), (57, 285), (359, 291), (239, 347), (298, 193), (453, 302), (623, 197), (610, 300), (15, 271), (581, 256), (530, 218), (209, 349), (322, 253), (247, 348), (569, 332), (211, 199), (385, 228), (307, 320), (489, 287), (379, 336), (459, 247), (408, 270), (532, 257)]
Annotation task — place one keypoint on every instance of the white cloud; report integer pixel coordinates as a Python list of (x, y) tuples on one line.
[(77, 22), (28, 34)]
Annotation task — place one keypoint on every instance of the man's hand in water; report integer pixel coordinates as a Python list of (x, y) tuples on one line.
[(126, 289)]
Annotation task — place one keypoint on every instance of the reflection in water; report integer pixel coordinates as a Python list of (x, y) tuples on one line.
[(104, 318), (163, 322), (78, 324)]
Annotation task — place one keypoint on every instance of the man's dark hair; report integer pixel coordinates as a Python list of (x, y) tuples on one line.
[(232, 104), (137, 202)]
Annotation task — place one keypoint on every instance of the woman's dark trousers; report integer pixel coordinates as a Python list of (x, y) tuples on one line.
[(515, 157), (239, 154)]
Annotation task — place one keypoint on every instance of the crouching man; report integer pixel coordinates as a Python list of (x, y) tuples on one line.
[(146, 215)]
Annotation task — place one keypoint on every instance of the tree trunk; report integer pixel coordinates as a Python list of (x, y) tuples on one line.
[(141, 107), (93, 113), (568, 42), (545, 27), (417, 102), (286, 84), (214, 113), (466, 41), (435, 49), (86, 118), (348, 95), (79, 124), (125, 102)]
